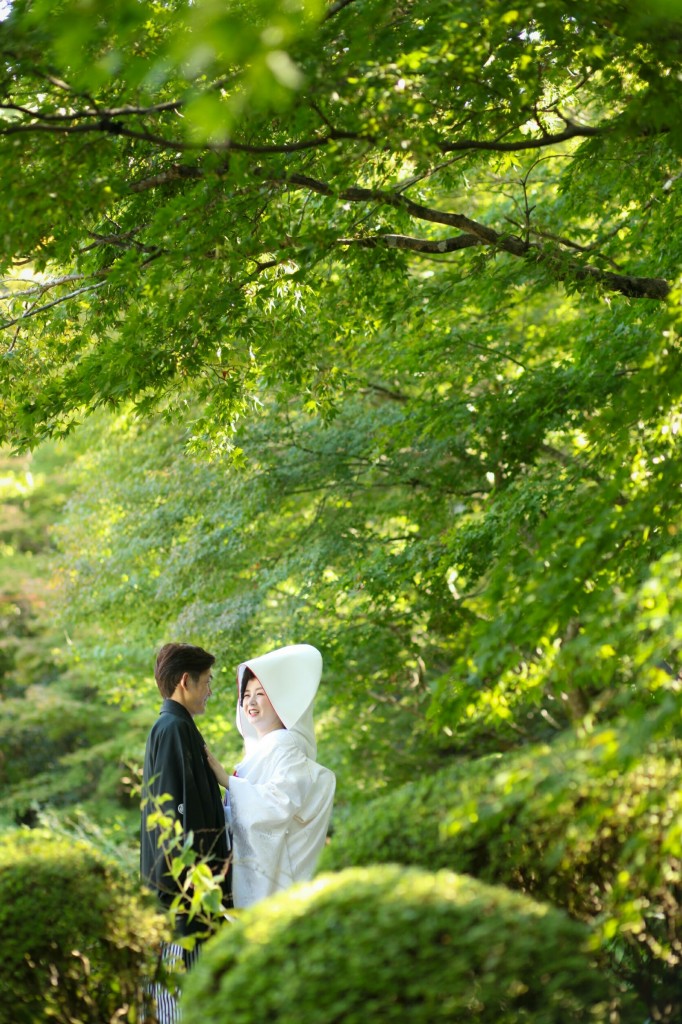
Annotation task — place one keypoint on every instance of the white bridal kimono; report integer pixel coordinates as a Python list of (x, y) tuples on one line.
[(280, 799)]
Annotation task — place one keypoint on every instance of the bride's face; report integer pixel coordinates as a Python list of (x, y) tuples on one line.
[(258, 709)]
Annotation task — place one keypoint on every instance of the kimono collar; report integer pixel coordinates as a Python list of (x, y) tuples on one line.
[(174, 707)]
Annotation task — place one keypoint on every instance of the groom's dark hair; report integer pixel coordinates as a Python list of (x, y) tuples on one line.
[(173, 660)]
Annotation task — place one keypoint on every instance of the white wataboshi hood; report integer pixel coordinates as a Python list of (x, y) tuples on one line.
[(290, 677)]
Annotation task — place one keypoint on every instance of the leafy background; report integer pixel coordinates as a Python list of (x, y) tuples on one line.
[(356, 326)]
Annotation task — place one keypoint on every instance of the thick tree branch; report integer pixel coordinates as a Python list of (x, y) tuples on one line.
[(565, 269), (109, 124), (356, 194), (572, 131), (65, 118), (426, 245)]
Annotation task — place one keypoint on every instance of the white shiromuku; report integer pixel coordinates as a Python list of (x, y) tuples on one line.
[(280, 798)]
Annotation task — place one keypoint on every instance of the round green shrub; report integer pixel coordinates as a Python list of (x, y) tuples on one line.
[(397, 946), (584, 824), (77, 938)]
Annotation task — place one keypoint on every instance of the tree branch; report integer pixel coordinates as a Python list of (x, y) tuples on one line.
[(176, 172), (336, 7), (572, 131), (395, 396), (108, 124), (48, 305), (427, 245), (108, 121), (564, 269), (39, 288)]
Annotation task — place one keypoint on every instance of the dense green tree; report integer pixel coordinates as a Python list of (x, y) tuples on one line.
[(378, 311)]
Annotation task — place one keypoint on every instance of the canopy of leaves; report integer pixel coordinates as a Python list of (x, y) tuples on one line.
[(252, 198)]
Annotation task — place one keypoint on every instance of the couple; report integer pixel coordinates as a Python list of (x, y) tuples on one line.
[(278, 802)]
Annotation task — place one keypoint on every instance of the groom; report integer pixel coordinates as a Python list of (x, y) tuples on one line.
[(175, 768)]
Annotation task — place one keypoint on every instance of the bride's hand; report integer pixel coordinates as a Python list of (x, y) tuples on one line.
[(217, 769)]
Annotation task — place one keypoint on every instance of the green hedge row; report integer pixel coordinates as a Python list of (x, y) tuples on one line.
[(399, 946), (584, 824), (77, 939)]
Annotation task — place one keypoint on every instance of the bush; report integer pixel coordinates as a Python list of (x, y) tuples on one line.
[(585, 824), (44, 726), (77, 939), (404, 826), (398, 946)]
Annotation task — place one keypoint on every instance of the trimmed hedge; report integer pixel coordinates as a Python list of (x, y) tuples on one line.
[(399, 946), (584, 824), (77, 939)]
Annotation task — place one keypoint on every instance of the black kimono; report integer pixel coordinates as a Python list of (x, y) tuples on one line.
[(175, 764)]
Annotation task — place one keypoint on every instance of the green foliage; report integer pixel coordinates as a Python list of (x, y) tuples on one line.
[(588, 823), (136, 538), (45, 726), (231, 185), (97, 781), (28, 506), (394, 944), (361, 326), (465, 448), (78, 941)]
